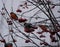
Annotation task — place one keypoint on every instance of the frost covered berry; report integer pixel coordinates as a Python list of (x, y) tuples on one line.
[(22, 20), (18, 10), (27, 41), (13, 16), (2, 41), (28, 30)]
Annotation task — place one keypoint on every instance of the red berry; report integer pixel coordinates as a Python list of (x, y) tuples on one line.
[(27, 41), (43, 27), (11, 30), (25, 3), (18, 10), (45, 43), (42, 36), (2, 41), (22, 20), (35, 27), (9, 22), (13, 16), (41, 43), (53, 39), (2, 13), (28, 30), (52, 33), (39, 32), (21, 5)]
